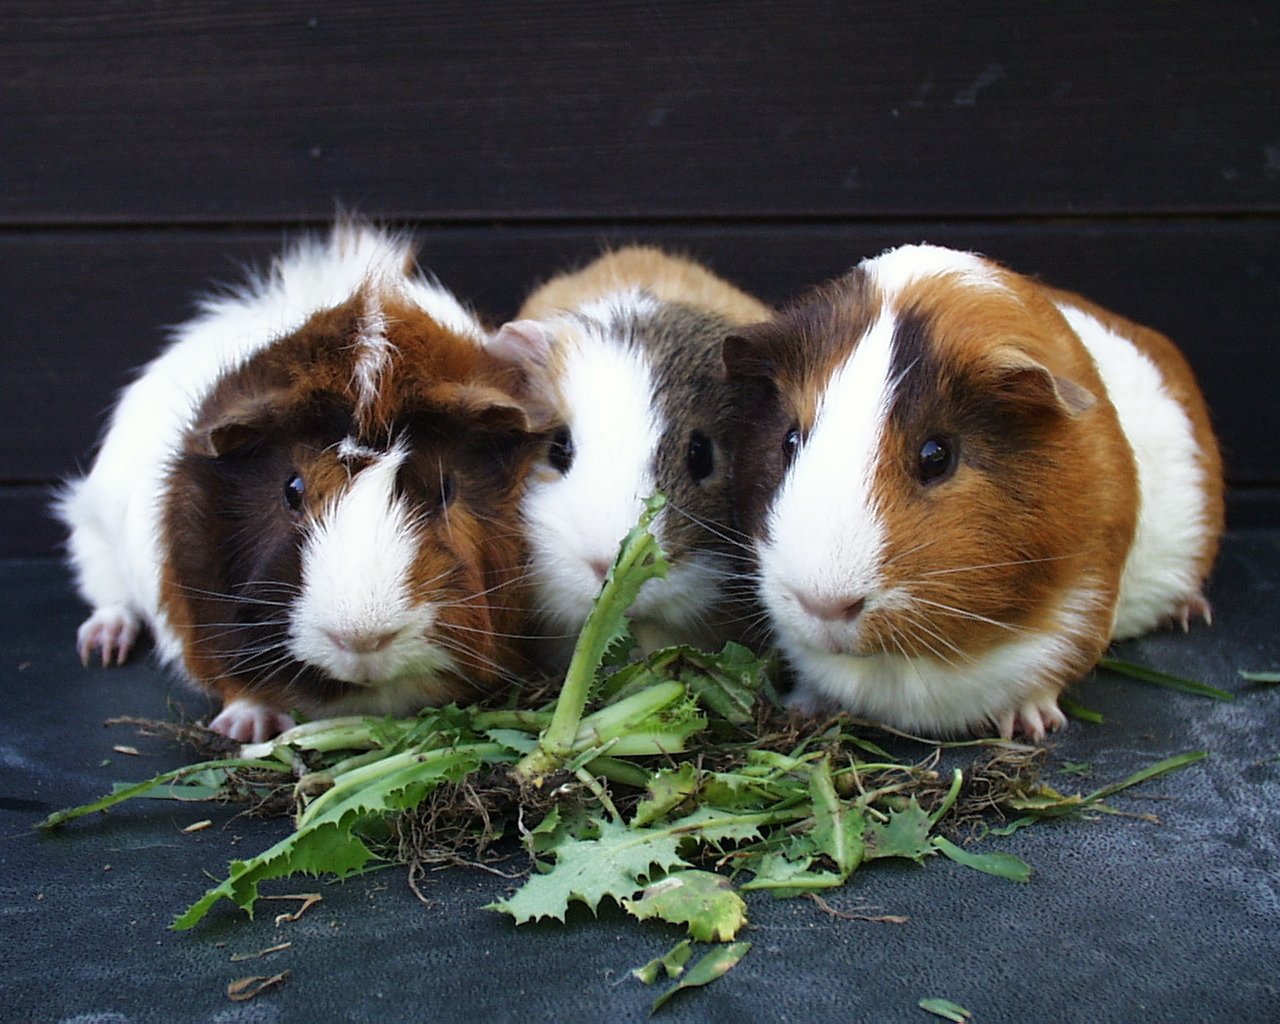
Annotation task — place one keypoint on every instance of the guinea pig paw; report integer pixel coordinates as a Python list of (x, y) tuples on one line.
[(111, 629), (247, 721), (1195, 605), (1035, 718)]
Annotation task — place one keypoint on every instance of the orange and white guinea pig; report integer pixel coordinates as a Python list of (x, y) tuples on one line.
[(961, 485), (312, 496)]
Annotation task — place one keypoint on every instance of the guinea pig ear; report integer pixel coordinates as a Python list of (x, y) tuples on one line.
[(526, 342), (1026, 380), (486, 407), (743, 358), (232, 427)]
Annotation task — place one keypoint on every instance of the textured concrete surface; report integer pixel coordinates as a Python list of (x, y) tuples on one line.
[(1123, 920)]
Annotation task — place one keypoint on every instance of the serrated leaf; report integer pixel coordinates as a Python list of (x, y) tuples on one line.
[(327, 844), (714, 825), (673, 963), (588, 870), (668, 790), (712, 966), (906, 834), (785, 877), (1005, 865), (837, 825), (701, 900)]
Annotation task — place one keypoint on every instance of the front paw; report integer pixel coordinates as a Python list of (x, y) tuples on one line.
[(1035, 718), (247, 721), (1194, 606), (112, 630)]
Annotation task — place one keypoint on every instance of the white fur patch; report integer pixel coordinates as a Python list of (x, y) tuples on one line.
[(1160, 571), (825, 534), (895, 269), (578, 520), (927, 695), (373, 356), (356, 563)]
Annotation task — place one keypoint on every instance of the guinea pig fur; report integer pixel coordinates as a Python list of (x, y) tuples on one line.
[(961, 485), (625, 355), (312, 496)]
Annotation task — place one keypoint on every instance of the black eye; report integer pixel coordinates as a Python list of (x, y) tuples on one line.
[(560, 451), (937, 459), (791, 443), (294, 489), (446, 489), (701, 458)]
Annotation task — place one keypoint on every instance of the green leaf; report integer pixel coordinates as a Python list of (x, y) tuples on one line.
[(703, 901), (905, 835), (1013, 826), (712, 966), (786, 876), (588, 870), (673, 963), (725, 683), (1260, 677), (1077, 710), (141, 789), (1169, 764), (945, 1008), (669, 789), (326, 842), (1151, 675), (837, 825), (1006, 865)]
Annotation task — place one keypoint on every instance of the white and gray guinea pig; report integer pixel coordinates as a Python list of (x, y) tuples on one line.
[(311, 497), (625, 354), (961, 485)]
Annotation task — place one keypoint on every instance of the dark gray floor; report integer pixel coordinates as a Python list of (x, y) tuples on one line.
[(1123, 920)]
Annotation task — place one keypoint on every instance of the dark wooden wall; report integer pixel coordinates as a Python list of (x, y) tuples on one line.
[(1127, 150)]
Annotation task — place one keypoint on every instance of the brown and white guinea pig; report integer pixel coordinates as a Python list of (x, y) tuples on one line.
[(312, 496), (625, 355), (961, 485)]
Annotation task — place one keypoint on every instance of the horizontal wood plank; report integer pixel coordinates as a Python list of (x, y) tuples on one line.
[(122, 111), (86, 308)]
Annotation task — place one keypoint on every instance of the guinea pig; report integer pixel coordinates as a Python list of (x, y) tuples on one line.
[(961, 485), (311, 497), (625, 355)]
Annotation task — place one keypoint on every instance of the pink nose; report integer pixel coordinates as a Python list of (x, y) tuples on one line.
[(362, 643), (837, 609), (600, 568)]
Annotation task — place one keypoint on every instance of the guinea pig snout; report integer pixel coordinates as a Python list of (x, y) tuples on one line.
[(356, 641), (832, 609)]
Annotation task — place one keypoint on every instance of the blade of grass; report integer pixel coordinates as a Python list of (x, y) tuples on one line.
[(1151, 675)]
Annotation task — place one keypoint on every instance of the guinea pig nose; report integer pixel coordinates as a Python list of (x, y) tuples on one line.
[(600, 567), (835, 609), (362, 643)]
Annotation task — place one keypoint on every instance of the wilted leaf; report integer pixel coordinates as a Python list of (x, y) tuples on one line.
[(673, 963), (1006, 865), (905, 835), (945, 1008), (246, 988), (668, 790), (712, 966), (703, 901)]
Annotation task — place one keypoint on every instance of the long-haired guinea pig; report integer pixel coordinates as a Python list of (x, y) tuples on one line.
[(961, 485), (625, 356), (312, 496)]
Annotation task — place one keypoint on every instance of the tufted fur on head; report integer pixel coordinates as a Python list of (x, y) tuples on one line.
[(313, 495)]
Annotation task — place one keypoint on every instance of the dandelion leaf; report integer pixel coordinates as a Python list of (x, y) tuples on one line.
[(906, 834), (701, 900), (587, 870)]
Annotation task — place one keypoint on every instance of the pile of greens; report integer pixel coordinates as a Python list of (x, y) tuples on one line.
[(607, 795)]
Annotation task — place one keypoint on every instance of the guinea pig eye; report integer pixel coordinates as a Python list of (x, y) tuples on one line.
[(294, 489), (446, 489), (560, 451), (937, 459), (701, 457), (791, 443)]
